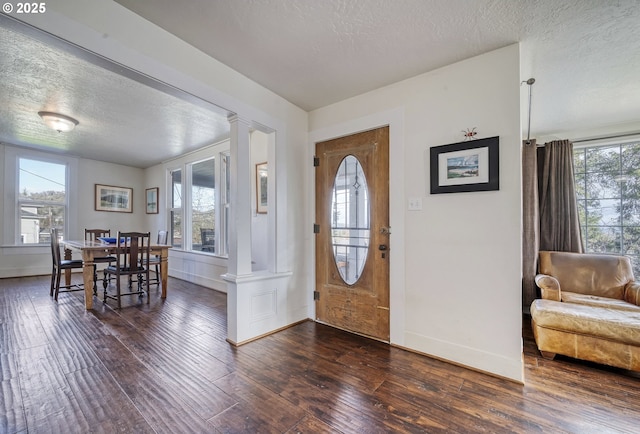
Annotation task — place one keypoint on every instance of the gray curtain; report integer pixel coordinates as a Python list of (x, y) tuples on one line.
[(549, 207), (530, 222), (559, 223)]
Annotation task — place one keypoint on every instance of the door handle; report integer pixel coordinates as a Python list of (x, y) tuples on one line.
[(382, 247)]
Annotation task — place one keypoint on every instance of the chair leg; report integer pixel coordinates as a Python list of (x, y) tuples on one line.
[(53, 280), (140, 285), (147, 283), (548, 355), (57, 291), (118, 291), (95, 280), (104, 286)]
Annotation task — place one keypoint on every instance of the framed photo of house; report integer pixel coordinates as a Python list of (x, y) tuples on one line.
[(151, 200), (465, 166), (261, 188), (115, 199)]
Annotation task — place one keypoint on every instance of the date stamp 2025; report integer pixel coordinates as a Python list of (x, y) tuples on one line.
[(24, 8)]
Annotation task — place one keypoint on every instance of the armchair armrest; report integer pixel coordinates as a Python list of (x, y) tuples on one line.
[(549, 287), (632, 293)]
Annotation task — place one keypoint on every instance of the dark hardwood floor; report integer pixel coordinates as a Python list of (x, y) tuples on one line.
[(166, 368)]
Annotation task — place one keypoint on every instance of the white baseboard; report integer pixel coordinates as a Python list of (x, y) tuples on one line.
[(495, 364)]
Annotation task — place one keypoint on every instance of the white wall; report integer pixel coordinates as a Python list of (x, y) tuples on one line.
[(457, 294), (91, 172)]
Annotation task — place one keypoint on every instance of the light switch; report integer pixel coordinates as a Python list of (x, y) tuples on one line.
[(415, 203)]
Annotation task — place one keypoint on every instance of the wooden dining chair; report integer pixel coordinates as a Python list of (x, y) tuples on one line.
[(60, 264), (93, 235), (155, 259), (132, 258)]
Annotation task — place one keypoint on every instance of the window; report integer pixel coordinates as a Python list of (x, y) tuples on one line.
[(203, 196), (42, 200), (225, 200), (175, 209), (608, 193), (199, 203)]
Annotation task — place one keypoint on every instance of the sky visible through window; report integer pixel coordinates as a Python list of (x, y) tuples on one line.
[(38, 176)]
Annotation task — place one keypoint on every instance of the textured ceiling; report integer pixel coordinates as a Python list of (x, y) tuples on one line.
[(584, 54), (123, 117)]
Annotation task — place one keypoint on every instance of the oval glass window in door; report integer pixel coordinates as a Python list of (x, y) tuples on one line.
[(350, 228)]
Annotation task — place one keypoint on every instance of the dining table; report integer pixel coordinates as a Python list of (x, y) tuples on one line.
[(91, 249)]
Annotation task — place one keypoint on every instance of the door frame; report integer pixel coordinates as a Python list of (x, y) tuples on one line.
[(395, 120)]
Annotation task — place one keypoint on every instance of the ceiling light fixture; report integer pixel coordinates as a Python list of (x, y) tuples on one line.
[(58, 122)]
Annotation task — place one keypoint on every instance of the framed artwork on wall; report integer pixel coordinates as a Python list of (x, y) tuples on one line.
[(114, 199), (151, 200), (261, 188), (465, 166)]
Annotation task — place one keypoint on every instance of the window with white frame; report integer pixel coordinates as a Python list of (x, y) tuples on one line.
[(608, 192), (203, 205), (41, 200), (175, 208), (199, 204), (225, 201)]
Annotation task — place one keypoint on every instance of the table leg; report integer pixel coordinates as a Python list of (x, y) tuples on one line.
[(67, 272), (164, 270), (87, 275)]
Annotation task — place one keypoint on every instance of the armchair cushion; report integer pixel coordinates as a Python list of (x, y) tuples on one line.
[(595, 301), (610, 324), (590, 274)]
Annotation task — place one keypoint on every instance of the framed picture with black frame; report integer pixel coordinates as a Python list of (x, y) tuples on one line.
[(465, 166), (114, 199)]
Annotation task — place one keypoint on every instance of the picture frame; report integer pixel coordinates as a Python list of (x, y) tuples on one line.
[(151, 200), (465, 166), (261, 188), (113, 199)]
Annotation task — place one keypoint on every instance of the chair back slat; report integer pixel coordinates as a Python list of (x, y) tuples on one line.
[(94, 234), (55, 248), (134, 248)]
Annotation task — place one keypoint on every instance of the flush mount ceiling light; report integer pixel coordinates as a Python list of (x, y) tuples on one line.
[(58, 122)]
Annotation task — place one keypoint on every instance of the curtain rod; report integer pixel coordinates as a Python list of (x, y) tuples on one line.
[(593, 139), (530, 84), (618, 136)]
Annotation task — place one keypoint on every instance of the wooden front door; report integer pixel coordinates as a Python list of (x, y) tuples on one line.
[(352, 233)]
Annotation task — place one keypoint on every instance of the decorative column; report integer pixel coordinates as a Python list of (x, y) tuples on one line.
[(240, 210), (257, 301), (239, 225)]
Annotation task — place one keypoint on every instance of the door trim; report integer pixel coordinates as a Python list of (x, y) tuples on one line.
[(394, 118)]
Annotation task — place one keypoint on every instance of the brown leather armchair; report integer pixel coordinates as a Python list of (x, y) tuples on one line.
[(585, 278), (590, 308)]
